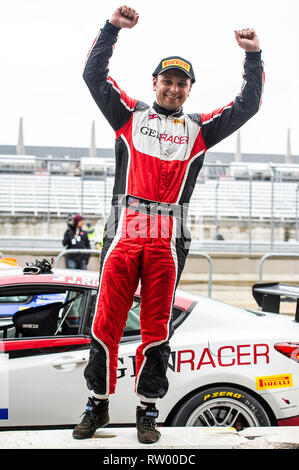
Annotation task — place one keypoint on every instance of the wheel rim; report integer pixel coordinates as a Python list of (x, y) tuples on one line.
[(223, 413)]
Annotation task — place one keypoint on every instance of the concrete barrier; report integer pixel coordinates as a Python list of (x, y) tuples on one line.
[(172, 438)]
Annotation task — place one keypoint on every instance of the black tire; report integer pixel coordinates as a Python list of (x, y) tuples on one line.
[(221, 406)]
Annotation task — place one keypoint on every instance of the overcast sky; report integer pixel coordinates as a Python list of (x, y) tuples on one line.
[(44, 45)]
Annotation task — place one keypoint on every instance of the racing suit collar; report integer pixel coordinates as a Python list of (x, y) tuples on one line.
[(167, 112)]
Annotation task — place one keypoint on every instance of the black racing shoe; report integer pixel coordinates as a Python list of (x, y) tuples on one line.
[(95, 416), (147, 431)]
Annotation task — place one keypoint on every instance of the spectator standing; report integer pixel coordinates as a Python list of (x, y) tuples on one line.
[(91, 231)]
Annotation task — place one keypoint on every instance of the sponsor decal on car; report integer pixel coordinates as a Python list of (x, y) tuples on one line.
[(288, 403), (179, 62), (223, 393), (77, 280), (274, 381), (4, 389), (242, 355), (187, 360), (3, 413)]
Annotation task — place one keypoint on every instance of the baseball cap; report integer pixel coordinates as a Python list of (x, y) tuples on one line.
[(175, 62)]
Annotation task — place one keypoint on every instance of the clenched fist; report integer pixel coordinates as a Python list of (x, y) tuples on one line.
[(124, 17), (248, 40)]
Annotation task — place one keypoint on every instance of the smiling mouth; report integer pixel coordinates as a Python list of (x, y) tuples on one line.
[(172, 98)]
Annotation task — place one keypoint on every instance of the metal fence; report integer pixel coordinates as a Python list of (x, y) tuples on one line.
[(248, 205), (239, 204)]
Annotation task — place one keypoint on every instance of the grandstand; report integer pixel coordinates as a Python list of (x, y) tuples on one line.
[(52, 182), (35, 195), (13, 164)]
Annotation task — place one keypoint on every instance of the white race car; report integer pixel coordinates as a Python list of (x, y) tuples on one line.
[(228, 366)]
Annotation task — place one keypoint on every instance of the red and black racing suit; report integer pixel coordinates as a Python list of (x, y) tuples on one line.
[(158, 154)]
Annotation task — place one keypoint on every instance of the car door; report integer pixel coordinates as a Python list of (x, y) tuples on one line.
[(45, 379), (41, 377)]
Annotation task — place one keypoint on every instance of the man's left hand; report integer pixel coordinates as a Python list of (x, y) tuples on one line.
[(247, 40)]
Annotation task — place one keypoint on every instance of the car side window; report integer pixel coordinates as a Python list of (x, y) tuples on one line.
[(72, 311), (10, 304), (91, 312), (132, 327), (15, 299), (47, 314), (133, 323)]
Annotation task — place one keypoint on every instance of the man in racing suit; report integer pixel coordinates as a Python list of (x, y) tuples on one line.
[(159, 152)]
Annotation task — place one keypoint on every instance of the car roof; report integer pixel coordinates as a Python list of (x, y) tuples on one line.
[(64, 276)]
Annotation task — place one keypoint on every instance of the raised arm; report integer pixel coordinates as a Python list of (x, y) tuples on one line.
[(114, 103), (224, 121), (124, 17)]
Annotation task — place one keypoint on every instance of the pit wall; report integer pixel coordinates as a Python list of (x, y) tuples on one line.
[(231, 231)]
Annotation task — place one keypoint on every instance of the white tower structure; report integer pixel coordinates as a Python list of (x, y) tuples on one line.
[(92, 148), (20, 144), (288, 157), (238, 154)]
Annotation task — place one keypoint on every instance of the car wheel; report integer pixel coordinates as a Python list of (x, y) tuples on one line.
[(222, 406)]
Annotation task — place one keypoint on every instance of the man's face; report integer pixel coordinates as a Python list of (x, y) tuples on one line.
[(172, 89)]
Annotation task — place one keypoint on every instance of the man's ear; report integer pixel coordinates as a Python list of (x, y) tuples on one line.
[(190, 88), (154, 83)]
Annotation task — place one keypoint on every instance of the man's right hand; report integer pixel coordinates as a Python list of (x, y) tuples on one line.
[(124, 17)]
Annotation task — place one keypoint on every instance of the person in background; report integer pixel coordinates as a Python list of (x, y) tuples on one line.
[(76, 238), (91, 231)]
